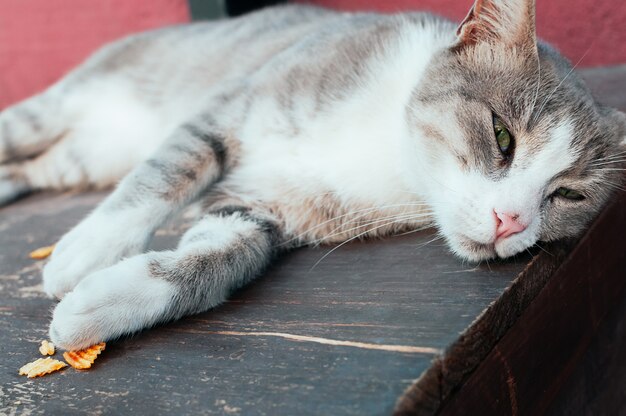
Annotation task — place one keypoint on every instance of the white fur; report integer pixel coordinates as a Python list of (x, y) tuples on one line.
[(125, 298), (213, 233), (97, 242), (111, 302), (356, 161)]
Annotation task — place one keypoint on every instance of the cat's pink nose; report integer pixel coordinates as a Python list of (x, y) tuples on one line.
[(507, 225)]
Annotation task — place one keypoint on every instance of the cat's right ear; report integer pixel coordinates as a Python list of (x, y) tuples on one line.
[(509, 22)]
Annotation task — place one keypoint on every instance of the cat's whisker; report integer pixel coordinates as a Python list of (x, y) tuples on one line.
[(414, 231), (473, 269), (615, 186), (338, 217), (609, 162), (347, 241), (614, 158), (560, 83), (618, 155), (544, 250), (609, 169), (538, 86), (422, 245), (395, 218), (437, 182), (372, 221)]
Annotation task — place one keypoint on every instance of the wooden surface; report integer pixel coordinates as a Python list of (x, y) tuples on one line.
[(402, 309), (398, 292)]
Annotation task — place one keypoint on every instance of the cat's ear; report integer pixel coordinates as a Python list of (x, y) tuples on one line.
[(510, 22), (616, 122)]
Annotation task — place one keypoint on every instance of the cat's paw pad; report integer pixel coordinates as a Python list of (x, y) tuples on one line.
[(109, 303), (96, 243)]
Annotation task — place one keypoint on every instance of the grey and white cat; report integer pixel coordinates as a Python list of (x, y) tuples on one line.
[(298, 125)]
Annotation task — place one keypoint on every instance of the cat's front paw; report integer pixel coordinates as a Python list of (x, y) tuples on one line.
[(97, 242), (109, 303)]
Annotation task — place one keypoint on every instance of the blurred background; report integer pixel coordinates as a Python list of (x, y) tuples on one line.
[(40, 40)]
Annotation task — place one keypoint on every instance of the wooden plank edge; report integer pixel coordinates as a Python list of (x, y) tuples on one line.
[(428, 394)]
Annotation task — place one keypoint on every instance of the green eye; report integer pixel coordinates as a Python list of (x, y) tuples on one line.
[(570, 194), (504, 138)]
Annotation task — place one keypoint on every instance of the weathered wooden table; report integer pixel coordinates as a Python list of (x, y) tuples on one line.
[(397, 324)]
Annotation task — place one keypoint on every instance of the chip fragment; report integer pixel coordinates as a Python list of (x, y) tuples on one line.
[(41, 367), (46, 348), (42, 252), (83, 359)]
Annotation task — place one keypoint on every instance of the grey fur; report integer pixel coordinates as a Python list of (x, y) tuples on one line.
[(206, 277)]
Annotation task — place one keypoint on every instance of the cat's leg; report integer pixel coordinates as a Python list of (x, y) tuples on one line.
[(67, 138), (31, 126), (85, 157), (189, 161), (221, 253), (27, 129)]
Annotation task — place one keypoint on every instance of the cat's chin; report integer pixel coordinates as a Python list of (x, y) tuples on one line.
[(476, 251), (473, 250), (511, 247)]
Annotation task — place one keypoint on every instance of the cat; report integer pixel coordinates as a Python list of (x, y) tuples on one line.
[(298, 125)]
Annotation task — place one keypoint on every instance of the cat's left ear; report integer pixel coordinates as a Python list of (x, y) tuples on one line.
[(509, 22)]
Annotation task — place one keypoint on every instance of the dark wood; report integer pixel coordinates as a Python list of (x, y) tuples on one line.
[(598, 385), (471, 331)]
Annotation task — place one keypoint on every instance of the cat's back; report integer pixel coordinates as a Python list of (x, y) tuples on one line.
[(231, 48)]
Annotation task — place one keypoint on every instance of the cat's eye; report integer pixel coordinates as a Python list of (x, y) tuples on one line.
[(570, 194), (504, 138)]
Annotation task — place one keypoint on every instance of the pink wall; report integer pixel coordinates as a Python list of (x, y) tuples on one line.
[(595, 29), (41, 39)]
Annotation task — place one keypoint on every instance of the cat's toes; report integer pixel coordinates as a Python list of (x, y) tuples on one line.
[(74, 325), (64, 271), (94, 244), (109, 303)]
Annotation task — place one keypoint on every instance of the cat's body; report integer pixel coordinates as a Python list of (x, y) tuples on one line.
[(286, 108), (296, 126)]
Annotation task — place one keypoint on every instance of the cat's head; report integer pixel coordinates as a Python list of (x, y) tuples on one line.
[(518, 150)]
